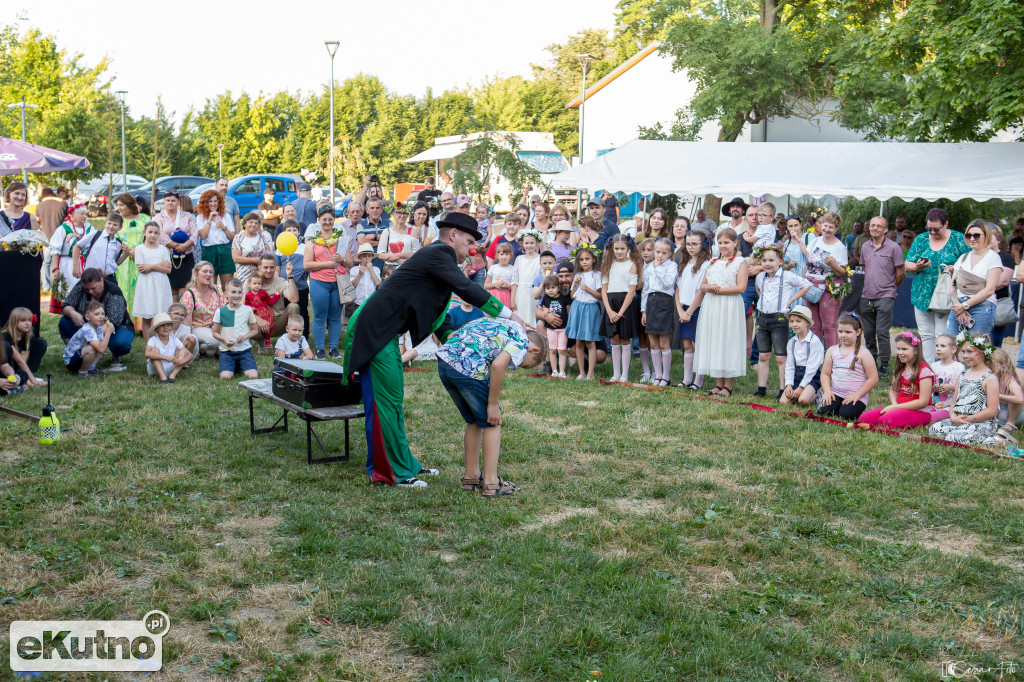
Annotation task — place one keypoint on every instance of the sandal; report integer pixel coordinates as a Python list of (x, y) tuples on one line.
[(471, 484), (713, 391), (499, 489), (728, 392), (1004, 436)]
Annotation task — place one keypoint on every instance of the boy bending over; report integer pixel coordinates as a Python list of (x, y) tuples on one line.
[(472, 365)]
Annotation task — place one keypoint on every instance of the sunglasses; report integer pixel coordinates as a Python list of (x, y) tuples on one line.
[(934, 229), (974, 235)]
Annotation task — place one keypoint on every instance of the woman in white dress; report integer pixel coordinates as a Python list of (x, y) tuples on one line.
[(721, 327), (153, 290)]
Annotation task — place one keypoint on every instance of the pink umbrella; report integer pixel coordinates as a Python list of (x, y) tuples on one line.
[(16, 156)]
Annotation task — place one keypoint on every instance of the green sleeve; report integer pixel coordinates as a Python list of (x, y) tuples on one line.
[(492, 307)]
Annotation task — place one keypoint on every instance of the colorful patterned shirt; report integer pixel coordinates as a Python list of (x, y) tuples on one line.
[(471, 349)]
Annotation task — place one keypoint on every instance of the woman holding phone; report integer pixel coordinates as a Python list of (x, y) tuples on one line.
[(931, 252)]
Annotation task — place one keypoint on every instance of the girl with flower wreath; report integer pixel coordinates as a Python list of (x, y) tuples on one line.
[(721, 328), (911, 390), (62, 243), (975, 412), (524, 271)]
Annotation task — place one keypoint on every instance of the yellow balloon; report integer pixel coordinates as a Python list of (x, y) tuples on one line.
[(287, 243)]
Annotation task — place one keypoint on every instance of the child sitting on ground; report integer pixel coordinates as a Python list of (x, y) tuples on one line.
[(165, 354), (1011, 400), (464, 313), (947, 376), (262, 303), (804, 355), (911, 389), (292, 343), (472, 365), (974, 415), (90, 342), (848, 373), (233, 325), (24, 350)]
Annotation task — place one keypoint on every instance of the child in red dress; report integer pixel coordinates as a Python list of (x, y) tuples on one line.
[(262, 304)]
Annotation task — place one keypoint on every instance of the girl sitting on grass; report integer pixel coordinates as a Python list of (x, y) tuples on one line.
[(24, 350), (848, 373), (1011, 399), (974, 416), (947, 376), (911, 389)]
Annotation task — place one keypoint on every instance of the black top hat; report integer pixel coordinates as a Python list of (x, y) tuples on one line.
[(735, 202), (460, 221)]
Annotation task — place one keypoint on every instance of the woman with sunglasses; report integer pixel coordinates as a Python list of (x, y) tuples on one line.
[(932, 251), (976, 276)]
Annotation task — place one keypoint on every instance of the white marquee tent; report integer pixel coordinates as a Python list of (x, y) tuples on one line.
[(882, 170)]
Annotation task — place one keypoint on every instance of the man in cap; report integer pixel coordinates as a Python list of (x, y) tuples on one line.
[(462, 204), (305, 207), (608, 228), (429, 195), (414, 299)]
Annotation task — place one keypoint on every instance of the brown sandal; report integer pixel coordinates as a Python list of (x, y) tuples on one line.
[(471, 484), (499, 489)]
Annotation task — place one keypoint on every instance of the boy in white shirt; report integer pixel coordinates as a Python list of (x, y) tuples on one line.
[(367, 277), (804, 356), (765, 231), (89, 342), (233, 325), (292, 343), (165, 353)]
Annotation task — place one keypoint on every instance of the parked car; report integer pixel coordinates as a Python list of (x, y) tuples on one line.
[(98, 193), (182, 183), (247, 190), (193, 194)]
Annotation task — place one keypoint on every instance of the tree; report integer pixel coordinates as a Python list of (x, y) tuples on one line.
[(937, 70), (494, 152), (754, 60)]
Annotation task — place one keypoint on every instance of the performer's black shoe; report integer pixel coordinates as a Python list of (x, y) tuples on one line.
[(412, 483)]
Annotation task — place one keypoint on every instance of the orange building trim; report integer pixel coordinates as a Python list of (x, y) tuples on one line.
[(618, 71)]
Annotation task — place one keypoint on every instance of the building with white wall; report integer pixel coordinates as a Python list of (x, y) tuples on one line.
[(644, 91)]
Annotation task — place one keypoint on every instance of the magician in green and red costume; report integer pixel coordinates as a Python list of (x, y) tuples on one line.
[(413, 299)]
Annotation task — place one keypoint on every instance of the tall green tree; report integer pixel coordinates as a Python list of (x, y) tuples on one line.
[(758, 59), (937, 70)]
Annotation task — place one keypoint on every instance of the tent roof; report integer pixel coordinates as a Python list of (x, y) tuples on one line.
[(881, 170), (16, 156)]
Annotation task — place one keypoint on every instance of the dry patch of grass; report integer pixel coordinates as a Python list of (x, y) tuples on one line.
[(558, 517), (639, 507), (546, 425), (9, 456)]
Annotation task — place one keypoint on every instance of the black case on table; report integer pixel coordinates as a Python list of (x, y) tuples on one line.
[(312, 384)]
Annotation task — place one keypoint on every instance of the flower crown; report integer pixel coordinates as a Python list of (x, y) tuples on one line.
[(814, 215), (910, 337), (979, 341), (529, 232), (583, 246), (758, 251), (72, 209)]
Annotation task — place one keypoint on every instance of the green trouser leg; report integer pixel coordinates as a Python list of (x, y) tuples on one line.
[(389, 458)]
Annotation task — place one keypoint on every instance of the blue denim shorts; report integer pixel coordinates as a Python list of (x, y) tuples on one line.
[(470, 395), (235, 361)]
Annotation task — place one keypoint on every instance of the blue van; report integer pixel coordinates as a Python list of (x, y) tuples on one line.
[(247, 190)]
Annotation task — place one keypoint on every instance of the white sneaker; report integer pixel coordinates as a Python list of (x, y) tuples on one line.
[(412, 483), (613, 380), (429, 472)]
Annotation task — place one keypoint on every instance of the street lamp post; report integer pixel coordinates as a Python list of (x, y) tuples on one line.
[(22, 104), (124, 157), (585, 60), (220, 159), (332, 49)]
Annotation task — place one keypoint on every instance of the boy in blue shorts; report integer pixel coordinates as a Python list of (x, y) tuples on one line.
[(472, 365), (89, 342), (233, 325)]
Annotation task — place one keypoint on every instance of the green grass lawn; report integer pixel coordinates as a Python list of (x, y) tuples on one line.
[(658, 537)]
